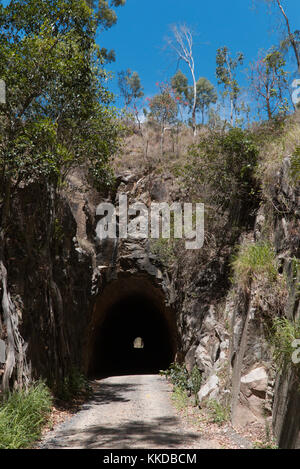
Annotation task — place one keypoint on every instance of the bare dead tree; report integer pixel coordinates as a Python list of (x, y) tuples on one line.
[(291, 37), (182, 44)]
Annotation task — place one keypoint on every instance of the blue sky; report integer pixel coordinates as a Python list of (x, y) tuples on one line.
[(138, 37)]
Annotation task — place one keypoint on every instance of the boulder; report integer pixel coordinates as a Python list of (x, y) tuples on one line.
[(253, 390), (256, 381), (209, 390)]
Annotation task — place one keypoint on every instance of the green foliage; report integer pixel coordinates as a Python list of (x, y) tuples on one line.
[(57, 113), (221, 170), (269, 83), (163, 249), (178, 375), (296, 274), (206, 95), (295, 166), (130, 86), (180, 398), (194, 382), (183, 381), (105, 14), (22, 416), (282, 335), (163, 108), (253, 260), (74, 385), (179, 83), (226, 74), (218, 413)]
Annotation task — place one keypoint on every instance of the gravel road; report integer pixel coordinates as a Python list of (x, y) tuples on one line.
[(126, 412)]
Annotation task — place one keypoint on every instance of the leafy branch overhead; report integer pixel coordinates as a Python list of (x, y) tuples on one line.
[(57, 100)]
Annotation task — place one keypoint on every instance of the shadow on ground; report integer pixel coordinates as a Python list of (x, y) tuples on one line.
[(132, 434)]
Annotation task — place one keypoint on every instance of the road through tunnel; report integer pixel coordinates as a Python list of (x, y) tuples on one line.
[(133, 331)]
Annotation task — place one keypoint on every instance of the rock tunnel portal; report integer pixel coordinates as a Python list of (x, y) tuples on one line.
[(133, 331)]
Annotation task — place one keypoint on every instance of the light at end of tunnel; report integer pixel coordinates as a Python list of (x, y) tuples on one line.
[(138, 343)]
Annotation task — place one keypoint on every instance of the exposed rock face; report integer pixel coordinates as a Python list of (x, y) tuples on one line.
[(250, 351)]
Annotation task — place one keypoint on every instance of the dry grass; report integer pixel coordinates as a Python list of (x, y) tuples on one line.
[(278, 145), (141, 150)]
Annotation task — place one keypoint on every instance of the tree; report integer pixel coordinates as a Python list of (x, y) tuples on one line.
[(57, 113), (163, 110), (179, 84), (292, 39), (131, 90), (182, 44), (214, 120), (130, 86), (105, 14), (206, 95), (226, 74), (269, 83)]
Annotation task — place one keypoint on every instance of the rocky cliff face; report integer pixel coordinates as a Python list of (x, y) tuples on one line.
[(257, 384), (66, 284)]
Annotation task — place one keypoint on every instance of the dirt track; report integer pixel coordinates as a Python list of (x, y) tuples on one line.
[(127, 412)]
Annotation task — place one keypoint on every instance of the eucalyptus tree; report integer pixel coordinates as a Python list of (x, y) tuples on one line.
[(206, 96), (226, 73), (269, 83), (181, 43)]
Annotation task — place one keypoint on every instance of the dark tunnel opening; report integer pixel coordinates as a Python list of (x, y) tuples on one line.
[(134, 337)]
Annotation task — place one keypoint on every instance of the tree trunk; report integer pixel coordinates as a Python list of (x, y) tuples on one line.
[(231, 112), (194, 103), (16, 347), (291, 36)]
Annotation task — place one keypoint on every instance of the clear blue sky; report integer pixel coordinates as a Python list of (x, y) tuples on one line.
[(138, 37)]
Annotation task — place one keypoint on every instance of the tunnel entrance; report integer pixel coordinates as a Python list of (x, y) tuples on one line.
[(133, 331)]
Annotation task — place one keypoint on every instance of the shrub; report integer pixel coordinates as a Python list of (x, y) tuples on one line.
[(282, 335), (184, 381), (178, 375), (163, 250), (194, 382), (221, 171), (74, 385), (255, 259), (22, 416)]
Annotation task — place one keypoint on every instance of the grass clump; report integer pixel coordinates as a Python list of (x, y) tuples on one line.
[(218, 412), (253, 260), (180, 398), (22, 416), (284, 337)]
